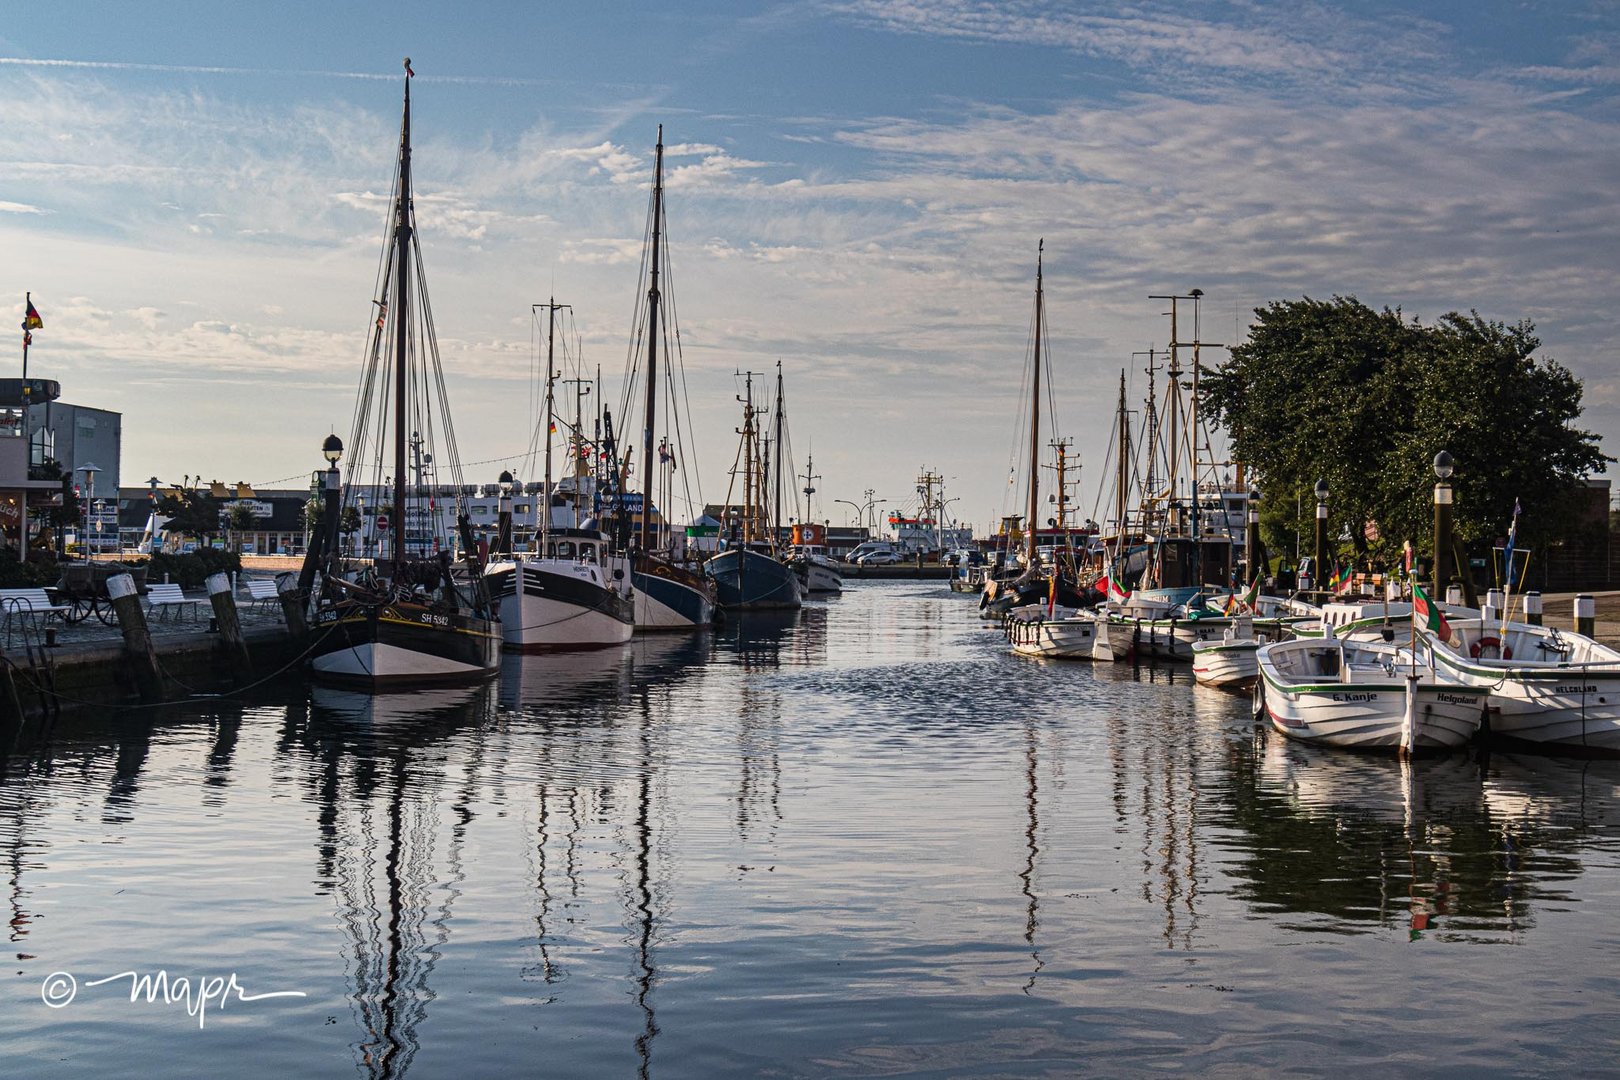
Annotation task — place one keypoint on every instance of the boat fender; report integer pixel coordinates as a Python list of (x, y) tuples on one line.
[(1502, 651)]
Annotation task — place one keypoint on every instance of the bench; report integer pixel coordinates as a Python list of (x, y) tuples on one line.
[(263, 592), (31, 605), (161, 599)]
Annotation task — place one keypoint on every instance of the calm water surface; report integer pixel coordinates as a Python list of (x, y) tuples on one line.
[(861, 840)]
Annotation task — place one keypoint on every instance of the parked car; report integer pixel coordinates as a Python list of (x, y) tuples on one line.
[(879, 558)]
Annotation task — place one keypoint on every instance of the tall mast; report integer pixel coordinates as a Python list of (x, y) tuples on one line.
[(1122, 466), (810, 478), (776, 480), (1172, 400), (551, 374), (748, 459), (1035, 421), (402, 292), (652, 349)]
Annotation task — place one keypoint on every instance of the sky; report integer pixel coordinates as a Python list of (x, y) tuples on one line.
[(195, 195)]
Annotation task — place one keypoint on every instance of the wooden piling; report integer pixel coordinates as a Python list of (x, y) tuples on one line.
[(223, 599), (292, 597), (138, 648)]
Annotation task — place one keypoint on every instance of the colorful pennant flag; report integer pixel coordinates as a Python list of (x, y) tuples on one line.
[(1426, 613)]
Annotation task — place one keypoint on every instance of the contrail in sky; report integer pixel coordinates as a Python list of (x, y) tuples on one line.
[(191, 69)]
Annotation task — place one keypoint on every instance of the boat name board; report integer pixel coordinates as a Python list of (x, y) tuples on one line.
[(1575, 689)]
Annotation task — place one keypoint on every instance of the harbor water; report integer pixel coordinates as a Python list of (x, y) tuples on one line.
[(861, 839)]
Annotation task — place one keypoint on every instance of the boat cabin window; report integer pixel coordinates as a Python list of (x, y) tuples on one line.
[(562, 549)]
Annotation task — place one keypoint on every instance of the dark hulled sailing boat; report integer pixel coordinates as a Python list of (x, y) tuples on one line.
[(669, 595), (414, 615), (749, 573)]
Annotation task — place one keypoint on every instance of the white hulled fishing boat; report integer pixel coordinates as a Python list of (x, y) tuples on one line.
[(1056, 633), (1552, 688), (1365, 695), (572, 588)]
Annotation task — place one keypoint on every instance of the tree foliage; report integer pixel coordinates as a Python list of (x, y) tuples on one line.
[(191, 512), (1364, 399)]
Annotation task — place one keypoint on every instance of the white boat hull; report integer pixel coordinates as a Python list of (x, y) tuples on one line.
[(549, 604), (1230, 664), (820, 579), (1338, 694), (1172, 639), (1571, 704), (1371, 717), (380, 662), (1113, 642), (1071, 638), (535, 623)]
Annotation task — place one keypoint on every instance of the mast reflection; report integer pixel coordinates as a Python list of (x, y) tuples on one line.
[(380, 840), (1032, 848)]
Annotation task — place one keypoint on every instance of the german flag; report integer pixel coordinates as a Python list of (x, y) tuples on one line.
[(31, 319)]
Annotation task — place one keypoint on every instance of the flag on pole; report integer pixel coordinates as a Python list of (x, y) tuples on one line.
[(1111, 590), (1253, 595), (1345, 577), (1507, 552), (1427, 614), (28, 339), (31, 319)]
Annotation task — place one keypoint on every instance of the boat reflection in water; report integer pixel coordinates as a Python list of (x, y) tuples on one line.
[(772, 639), (394, 868), (1373, 841)]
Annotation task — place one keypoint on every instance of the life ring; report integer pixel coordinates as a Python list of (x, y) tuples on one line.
[(1502, 652)]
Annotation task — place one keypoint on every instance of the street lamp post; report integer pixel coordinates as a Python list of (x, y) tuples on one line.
[(1321, 534), (332, 450), (1443, 468), (89, 469), (1251, 537)]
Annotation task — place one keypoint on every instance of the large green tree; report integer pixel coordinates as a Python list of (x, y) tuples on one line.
[(1364, 399), (191, 512)]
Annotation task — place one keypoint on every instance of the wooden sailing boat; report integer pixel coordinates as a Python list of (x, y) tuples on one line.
[(669, 595), (749, 574), (412, 616), (1033, 584)]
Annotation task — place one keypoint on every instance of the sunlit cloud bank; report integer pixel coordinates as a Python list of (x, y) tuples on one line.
[(187, 238)]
